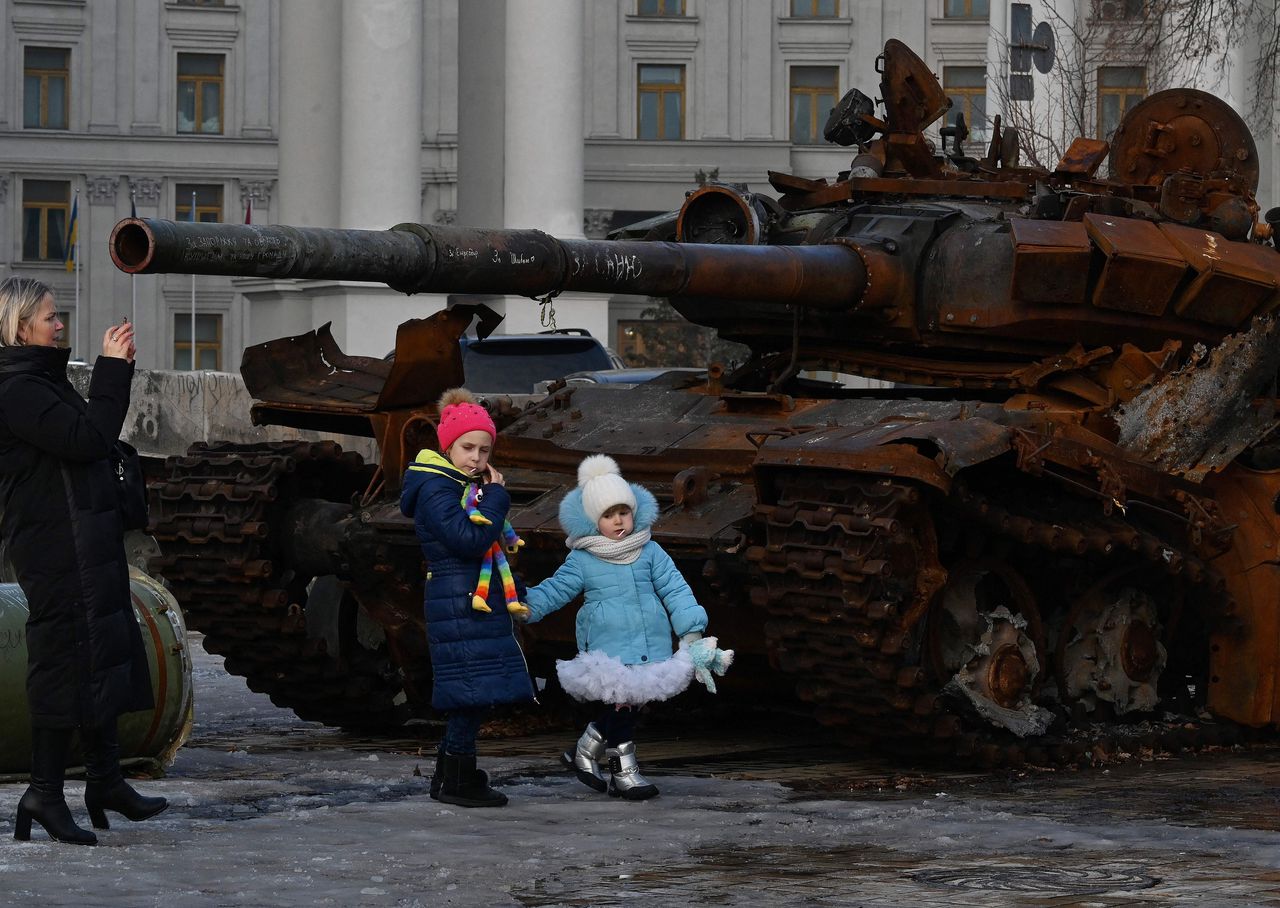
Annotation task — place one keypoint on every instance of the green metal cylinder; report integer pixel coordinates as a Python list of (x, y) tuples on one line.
[(148, 740)]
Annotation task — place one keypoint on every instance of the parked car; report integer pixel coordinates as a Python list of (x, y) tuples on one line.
[(526, 363), (625, 376), (518, 363)]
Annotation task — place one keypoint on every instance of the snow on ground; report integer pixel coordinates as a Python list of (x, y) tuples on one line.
[(269, 810)]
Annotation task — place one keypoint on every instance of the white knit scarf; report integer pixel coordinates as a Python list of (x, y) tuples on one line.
[(616, 551)]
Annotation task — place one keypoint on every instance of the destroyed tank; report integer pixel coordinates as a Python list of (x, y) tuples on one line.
[(1055, 528)]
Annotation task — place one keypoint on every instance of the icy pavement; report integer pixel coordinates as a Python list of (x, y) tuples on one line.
[(269, 810)]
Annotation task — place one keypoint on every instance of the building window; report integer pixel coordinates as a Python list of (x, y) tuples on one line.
[(208, 201), (1113, 10), (208, 341), (45, 208), (815, 9), (814, 90), (660, 109), (1119, 89), (660, 8), (968, 9), (966, 86), (46, 75), (200, 93)]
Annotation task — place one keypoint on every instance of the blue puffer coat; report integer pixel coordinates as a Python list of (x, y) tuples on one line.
[(629, 610), (475, 658)]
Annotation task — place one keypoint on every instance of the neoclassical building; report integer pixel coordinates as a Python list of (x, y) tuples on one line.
[(572, 116)]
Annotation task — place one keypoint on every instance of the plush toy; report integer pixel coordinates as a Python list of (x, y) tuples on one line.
[(495, 556), (708, 658)]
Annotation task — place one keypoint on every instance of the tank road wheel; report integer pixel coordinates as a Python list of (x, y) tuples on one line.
[(986, 645), (1110, 651)]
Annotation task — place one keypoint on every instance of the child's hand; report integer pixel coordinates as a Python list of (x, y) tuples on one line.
[(492, 475)]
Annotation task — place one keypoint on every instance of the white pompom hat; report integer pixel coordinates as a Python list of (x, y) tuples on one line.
[(603, 486)]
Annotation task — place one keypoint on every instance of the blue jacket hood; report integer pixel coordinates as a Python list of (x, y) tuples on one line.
[(427, 465), (575, 522)]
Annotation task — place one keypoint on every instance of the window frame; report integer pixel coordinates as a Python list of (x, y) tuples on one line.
[(816, 118), (1125, 15), (182, 203), (968, 10), (978, 132), (813, 7), (1122, 92), (662, 90), (45, 208), (662, 7), (198, 81), (44, 75), (216, 346)]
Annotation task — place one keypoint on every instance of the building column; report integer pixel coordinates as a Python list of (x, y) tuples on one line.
[(544, 165), (380, 183), (381, 120), (481, 110), (309, 159)]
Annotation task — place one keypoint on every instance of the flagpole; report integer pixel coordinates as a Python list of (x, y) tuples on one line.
[(75, 254), (133, 278), (193, 293)]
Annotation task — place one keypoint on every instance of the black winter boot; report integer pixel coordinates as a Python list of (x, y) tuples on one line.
[(437, 777), (43, 800), (105, 788), (479, 779), (466, 786)]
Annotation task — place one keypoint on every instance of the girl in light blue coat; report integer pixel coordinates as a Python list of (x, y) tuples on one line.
[(634, 600)]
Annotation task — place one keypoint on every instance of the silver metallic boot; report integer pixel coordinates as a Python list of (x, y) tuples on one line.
[(586, 757), (625, 779)]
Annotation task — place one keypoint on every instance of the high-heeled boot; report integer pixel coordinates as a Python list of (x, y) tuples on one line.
[(43, 800), (105, 787)]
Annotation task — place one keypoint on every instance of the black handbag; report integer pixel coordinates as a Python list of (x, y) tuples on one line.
[(131, 487)]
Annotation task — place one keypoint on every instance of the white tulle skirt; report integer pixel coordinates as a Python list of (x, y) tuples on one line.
[(594, 676)]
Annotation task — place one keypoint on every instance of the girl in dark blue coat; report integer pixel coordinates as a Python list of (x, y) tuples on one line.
[(475, 659)]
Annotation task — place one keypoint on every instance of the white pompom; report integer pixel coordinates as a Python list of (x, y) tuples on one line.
[(597, 465)]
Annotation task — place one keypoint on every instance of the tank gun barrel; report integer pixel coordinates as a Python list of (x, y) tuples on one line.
[(416, 258)]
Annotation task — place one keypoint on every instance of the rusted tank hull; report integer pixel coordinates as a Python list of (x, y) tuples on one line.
[(1056, 537)]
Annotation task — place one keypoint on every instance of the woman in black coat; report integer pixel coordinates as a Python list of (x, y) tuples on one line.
[(63, 532)]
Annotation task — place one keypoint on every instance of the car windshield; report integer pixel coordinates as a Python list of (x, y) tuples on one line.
[(516, 366)]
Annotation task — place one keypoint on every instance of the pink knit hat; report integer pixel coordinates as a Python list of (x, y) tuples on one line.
[(460, 414)]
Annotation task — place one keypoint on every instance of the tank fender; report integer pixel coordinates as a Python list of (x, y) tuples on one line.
[(931, 452)]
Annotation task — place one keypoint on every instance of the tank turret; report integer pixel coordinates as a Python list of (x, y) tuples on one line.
[(1045, 539)]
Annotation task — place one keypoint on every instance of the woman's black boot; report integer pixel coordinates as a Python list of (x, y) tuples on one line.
[(43, 800), (466, 786), (105, 788)]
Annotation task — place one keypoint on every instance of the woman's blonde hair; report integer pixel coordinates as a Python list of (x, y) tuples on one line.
[(20, 297)]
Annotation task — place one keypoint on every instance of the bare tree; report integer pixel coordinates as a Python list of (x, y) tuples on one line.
[(1066, 107), (1203, 32), (1173, 40)]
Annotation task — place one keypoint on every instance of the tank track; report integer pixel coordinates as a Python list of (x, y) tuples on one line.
[(849, 561), (214, 515)]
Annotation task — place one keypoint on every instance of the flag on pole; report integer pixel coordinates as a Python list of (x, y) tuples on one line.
[(248, 211), (69, 250)]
